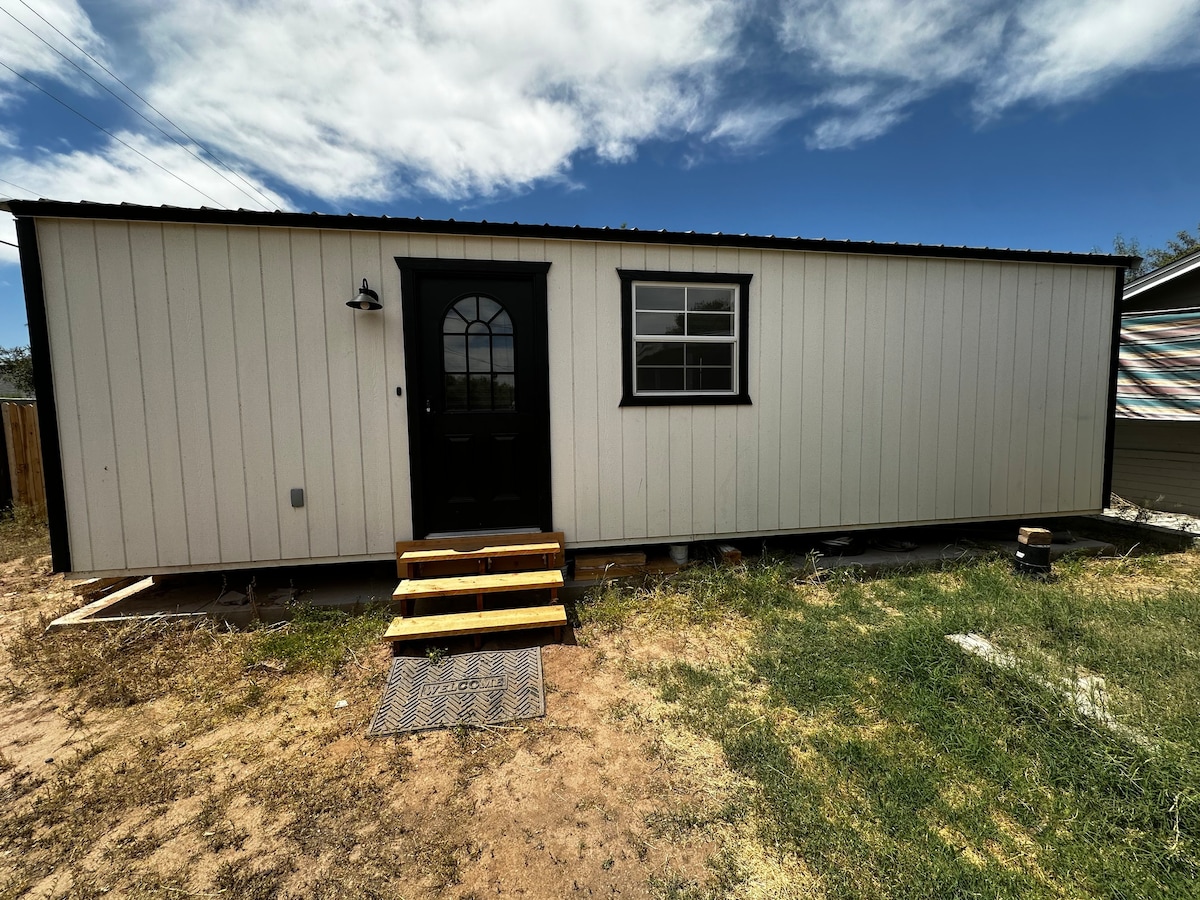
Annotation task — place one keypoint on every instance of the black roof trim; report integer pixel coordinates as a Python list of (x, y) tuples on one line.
[(253, 218)]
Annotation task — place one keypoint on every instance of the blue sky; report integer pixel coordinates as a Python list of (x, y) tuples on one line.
[(1049, 124)]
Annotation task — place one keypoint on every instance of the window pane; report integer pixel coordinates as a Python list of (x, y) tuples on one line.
[(709, 354), (466, 307), (456, 392), (505, 396), (501, 324), (710, 299), (658, 297), (659, 323), (480, 390), (502, 354), (717, 379), (454, 353), (654, 378), (480, 350), (710, 323), (659, 353), (488, 308), (453, 323)]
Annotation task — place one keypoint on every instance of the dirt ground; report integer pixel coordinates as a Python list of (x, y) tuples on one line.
[(190, 774)]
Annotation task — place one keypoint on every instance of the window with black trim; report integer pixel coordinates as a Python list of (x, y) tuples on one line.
[(684, 337)]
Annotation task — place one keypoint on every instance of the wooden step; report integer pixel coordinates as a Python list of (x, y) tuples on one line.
[(470, 585), (443, 552), (456, 624)]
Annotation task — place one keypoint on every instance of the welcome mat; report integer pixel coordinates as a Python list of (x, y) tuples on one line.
[(468, 689)]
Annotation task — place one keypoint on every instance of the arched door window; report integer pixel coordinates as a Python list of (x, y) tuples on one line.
[(477, 356)]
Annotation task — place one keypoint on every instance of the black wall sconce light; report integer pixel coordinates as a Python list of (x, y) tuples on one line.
[(366, 299)]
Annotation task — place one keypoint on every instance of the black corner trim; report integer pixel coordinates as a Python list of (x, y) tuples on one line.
[(1110, 428), (628, 398), (43, 385)]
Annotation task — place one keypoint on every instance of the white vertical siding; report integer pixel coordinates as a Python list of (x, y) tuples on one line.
[(202, 372)]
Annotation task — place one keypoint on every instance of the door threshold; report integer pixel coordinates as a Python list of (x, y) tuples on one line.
[(482, 532)]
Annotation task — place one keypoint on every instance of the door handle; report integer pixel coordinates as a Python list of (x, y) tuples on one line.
[(428, 407)]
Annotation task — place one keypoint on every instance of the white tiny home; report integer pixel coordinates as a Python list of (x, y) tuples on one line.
[(209, 399)]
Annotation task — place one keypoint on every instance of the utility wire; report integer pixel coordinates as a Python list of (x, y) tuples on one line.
[(11, 244), (110, 134), (115, 77), (136, 112), (19, 188)]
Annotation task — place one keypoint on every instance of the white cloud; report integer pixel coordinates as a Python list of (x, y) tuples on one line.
[(877, 58), (115, 173), (455, 97), (1065, 49), (22, 50)]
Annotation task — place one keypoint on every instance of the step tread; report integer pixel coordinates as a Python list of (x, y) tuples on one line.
[(438, 554), (451, 624), (465, 585)]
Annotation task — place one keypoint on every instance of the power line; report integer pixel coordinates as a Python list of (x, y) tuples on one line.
[(11, 244), (115, 77), (110, 134), (122, 100), (19, 188)]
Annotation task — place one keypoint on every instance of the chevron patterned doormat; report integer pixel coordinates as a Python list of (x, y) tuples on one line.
[(469, 689)]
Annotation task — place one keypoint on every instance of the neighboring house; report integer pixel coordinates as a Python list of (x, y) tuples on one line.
[(209, 401), (1157, 453)]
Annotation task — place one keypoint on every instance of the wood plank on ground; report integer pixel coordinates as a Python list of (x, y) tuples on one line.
[(456, 624), (84, 615), (603, 560)]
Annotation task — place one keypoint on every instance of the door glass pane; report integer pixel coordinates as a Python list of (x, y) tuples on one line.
[(479, 391), (454, 353), (488, 309), (479, 353), (478, 356), (502, 354), (456, 392), (501, 324), (505, 396)]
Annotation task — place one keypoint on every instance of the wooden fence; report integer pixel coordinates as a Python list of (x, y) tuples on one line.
[(20, 422)]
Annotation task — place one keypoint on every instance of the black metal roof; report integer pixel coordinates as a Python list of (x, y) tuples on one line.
[(279, 219)]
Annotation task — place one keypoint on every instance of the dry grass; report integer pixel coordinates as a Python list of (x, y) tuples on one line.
[(733, 733)]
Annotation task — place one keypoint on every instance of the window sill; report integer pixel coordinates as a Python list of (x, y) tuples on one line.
[(685, 400)]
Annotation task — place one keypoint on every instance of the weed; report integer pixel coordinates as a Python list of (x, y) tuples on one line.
[(240, 879), (317, 639), (23, 533)]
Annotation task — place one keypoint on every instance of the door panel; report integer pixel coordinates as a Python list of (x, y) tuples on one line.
[(475, 342)]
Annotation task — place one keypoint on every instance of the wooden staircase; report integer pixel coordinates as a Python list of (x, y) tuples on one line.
[(435, 571)]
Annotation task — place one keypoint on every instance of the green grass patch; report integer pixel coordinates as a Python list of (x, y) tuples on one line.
[(895, 765), (317, 638)]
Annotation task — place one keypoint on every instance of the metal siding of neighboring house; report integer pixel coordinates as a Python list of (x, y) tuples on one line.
[(1159, 373), (885, 390), (1157, 464)]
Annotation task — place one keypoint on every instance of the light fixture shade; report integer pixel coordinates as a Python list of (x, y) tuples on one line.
[(366, 299)]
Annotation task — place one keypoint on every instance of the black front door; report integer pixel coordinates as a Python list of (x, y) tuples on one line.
[(478, 398)]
